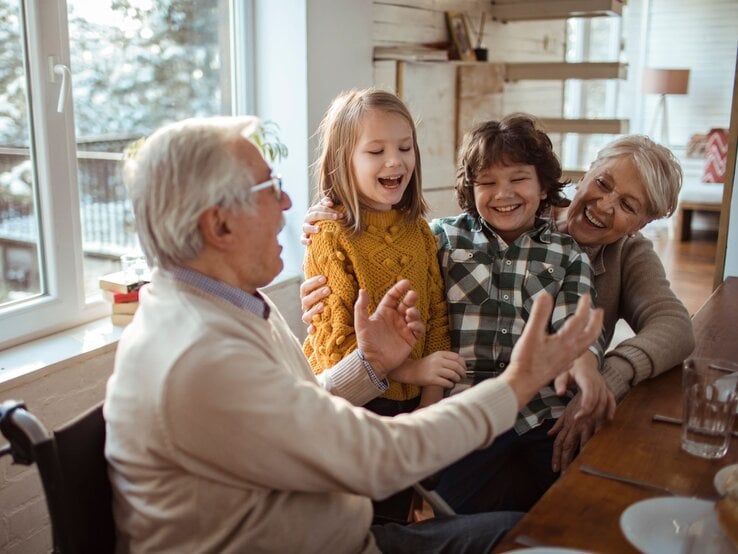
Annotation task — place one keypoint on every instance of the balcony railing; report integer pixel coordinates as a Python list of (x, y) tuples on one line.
[(105, 211)]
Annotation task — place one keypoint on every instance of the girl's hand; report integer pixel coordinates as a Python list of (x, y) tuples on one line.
[(317, 212), (312, 292), (443, 369)]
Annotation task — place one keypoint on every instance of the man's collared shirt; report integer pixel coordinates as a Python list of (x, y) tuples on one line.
[(490, 287), (239, 298)]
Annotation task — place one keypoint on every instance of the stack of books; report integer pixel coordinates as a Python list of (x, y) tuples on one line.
[(122, 292)]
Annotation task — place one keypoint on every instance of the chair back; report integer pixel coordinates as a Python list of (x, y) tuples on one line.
[(73, 471)]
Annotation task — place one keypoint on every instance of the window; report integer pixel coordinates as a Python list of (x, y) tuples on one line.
[(77, 88), (595, 39)]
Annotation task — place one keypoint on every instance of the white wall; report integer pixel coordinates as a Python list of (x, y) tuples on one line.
[(306, 53), (697, 34)]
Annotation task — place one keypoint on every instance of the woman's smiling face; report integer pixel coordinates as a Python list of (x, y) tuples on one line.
[(610, 202)]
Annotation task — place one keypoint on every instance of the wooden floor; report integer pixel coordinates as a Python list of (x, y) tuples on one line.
[(690, 266)]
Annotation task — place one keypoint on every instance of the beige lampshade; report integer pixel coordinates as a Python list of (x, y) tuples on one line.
[(665, 81)]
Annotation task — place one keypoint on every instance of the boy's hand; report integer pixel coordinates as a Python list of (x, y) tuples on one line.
[(443, 369), (596, 396), (538, 357)]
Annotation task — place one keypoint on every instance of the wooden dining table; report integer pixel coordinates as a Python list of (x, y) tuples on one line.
[(583, 511)]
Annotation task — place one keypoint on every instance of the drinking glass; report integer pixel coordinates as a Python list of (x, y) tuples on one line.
[(134, 267), (709, 403)]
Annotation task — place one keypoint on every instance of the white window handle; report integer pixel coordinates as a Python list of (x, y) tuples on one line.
[(66, 84)]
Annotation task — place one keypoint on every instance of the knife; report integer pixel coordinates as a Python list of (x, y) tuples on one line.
[(677, 421), (607, 475)]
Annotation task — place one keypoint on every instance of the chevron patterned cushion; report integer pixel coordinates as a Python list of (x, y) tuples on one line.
[(716, 155)]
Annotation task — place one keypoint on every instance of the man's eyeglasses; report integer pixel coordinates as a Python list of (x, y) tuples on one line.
[(275, 183)]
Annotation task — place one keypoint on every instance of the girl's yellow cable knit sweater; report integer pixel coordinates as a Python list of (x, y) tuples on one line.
[(389, 248)]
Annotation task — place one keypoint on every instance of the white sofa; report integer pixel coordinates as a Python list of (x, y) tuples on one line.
[(695, 196)]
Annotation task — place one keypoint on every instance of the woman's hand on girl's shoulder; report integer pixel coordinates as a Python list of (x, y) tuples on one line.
[(312, 293), (321, 210)]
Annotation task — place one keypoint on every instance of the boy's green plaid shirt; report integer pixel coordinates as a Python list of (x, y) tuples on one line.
[(491, 286)]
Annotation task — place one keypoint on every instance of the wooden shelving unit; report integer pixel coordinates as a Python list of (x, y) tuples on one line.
[(529, 10), (587, 126), (559, 71)]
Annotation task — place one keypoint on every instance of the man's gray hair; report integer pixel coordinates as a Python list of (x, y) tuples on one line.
[(180, 171), (657, 165)]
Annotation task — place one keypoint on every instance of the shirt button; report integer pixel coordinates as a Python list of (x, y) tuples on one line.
[(506, 296), (550, 270), (504, 331), (502, 364), (508, 262)]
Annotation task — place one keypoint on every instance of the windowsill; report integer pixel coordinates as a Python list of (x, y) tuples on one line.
[(35, 359)]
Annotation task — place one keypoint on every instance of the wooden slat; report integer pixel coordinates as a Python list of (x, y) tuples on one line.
[(563, 70), (586, 126), (526, 41), (554, 9), (573, 175)]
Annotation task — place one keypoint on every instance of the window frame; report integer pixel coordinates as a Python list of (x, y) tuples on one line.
[(62, 303)]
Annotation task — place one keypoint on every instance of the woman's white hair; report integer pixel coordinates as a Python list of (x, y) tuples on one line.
[(659, 169), (180, 171)]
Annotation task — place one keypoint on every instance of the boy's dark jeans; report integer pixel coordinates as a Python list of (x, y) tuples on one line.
[(511, 474), (396, 508)]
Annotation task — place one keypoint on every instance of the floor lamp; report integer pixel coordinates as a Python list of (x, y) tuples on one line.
[(663, 82)]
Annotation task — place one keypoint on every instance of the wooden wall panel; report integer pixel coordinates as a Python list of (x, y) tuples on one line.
[(480, 92), (526, 41), (385, 75), (442, 202), (429, 91), (395, 24), (541, 98)]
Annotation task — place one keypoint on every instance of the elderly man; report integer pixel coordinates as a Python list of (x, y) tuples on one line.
[(220, 439)]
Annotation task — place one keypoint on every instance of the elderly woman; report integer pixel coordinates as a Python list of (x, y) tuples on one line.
[(632, 182)]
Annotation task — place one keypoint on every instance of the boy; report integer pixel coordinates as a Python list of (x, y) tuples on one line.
[(495, 258)]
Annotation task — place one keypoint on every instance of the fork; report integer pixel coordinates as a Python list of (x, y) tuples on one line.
[(607, 475)]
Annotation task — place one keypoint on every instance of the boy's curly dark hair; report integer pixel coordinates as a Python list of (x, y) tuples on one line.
[(515, 139)]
